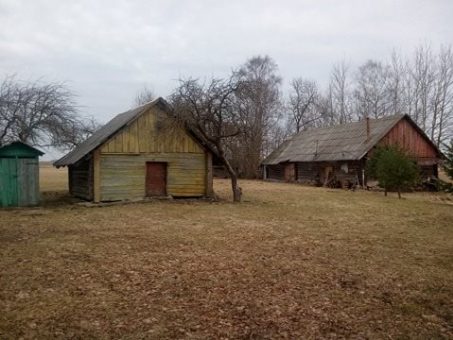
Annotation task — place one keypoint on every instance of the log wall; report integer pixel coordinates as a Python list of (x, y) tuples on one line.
[(315, 172)]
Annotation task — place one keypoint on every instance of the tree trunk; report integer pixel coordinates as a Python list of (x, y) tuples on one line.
[(385, 191), (399, 193), (237, 191)]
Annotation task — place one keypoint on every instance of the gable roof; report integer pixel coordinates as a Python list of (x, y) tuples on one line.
[(19, 148), (111, 128), (341, 142)]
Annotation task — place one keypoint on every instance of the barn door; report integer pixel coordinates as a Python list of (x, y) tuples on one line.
[(156, 179)]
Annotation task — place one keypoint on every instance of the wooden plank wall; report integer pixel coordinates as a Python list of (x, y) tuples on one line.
[(153, 137), (153, 132), (8, 182), (123, 177), (28, 181), (405, 135), (81, 179)]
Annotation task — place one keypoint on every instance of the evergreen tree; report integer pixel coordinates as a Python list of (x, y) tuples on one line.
[(448, 164), (393, 169)]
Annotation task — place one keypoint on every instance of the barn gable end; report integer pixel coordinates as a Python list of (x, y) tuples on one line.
[(118, 162), (409, 137)]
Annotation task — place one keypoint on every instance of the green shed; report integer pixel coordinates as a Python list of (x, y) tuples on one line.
[(19, 175)]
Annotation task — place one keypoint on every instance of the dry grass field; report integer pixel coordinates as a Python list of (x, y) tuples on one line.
[(289, 262)]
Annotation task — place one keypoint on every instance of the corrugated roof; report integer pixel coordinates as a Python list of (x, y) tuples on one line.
[(105, 132), (341, 142)]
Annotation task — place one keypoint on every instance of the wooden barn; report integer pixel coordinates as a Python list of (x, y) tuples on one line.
[(140, 153), (19, 175), (337, 155)]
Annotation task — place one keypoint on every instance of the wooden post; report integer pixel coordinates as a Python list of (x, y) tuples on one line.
[(209, 175), (97, 175), (363, 178)]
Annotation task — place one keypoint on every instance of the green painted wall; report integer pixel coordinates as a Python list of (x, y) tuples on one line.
[(19, 175), (8, 183)]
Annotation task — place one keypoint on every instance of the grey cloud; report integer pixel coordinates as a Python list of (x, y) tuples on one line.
[(108, 50)]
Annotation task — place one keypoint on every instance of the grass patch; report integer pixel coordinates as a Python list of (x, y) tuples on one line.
[(291, 261)]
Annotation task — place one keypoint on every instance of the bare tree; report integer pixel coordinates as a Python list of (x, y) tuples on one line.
[(441, 103), (420, 86), (339, 93), (144, 96), (210, 110), (395, 85), (260, 106), (370, 93), (302, 103), (423, 79), (40, 114)]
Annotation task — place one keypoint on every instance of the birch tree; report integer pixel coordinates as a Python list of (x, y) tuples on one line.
[(371, 90), (339, 93), (303, 99)]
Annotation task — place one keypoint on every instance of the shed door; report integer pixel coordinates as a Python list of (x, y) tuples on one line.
[(156, 179), (8, 182), (28, 181)]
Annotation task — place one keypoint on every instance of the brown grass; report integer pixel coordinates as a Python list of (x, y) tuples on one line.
[(52, 179), (289, 262)]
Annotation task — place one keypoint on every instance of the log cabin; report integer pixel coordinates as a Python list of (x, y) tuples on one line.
[(337, 155), (140, 153)]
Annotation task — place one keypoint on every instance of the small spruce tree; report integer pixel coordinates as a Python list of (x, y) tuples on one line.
[(393, 169), (448, 163)]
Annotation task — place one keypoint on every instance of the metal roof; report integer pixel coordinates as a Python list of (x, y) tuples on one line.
[(106, 131), (342, 142)]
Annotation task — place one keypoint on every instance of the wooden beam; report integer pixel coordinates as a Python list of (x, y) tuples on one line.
[(97, 175)]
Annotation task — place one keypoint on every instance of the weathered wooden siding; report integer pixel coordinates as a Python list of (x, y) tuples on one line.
[(123, 176), (152, 132), (8, 182), (81, 179), (19, 182), (120, 163), (405, 135), (28, 181)]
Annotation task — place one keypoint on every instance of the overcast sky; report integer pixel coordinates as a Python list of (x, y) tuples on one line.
[(107, 51)]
